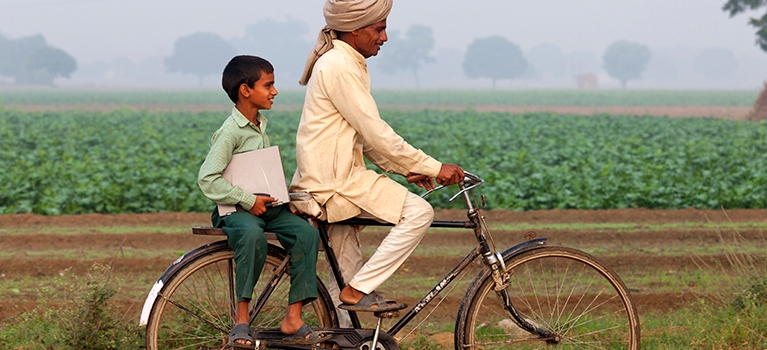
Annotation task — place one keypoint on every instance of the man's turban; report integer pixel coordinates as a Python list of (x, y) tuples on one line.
[(344, 16)]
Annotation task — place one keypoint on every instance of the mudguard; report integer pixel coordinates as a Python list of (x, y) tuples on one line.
[(522, 247), (171, 270)]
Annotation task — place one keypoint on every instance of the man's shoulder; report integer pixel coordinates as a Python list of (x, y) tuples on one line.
[(335, 64)]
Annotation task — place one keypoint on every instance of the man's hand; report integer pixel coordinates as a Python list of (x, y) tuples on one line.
[(260, 206), (450, 174), (422, 181)]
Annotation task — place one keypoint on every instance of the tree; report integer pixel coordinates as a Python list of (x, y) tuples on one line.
[(625, 60), (494, 57), (47, 63), (200, 54), (31, 60), (735, 7), (409, 53)]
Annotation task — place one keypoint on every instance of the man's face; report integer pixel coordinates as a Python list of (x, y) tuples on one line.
[(369, 39)]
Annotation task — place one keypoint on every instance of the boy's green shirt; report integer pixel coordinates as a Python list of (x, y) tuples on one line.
[(236, 135)]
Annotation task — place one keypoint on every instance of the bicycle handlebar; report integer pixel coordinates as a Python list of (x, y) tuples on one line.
[(469, 182)]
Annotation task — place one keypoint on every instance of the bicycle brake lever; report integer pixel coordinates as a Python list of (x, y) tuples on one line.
[(469, 178)]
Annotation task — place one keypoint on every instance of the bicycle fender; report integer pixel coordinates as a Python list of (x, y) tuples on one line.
[(177, 264), (522, 247)]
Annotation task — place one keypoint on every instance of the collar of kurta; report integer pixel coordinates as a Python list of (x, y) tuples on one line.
[(343, 46), (242, 121)]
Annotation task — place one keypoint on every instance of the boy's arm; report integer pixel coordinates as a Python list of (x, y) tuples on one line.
[(210, 180)]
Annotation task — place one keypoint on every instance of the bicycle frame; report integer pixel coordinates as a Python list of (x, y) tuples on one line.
[(491, 258), (528, 261)]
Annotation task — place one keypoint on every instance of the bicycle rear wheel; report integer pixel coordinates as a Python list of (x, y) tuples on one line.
[(562, 290), (195, 307)]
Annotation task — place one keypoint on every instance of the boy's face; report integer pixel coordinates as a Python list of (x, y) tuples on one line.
[(261, 95)]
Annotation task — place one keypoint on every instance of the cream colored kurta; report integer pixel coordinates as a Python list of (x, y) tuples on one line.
[(339, 124)]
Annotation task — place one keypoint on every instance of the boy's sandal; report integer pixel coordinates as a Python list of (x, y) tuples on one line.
[(373, 302), (300, 337), (241, 332)]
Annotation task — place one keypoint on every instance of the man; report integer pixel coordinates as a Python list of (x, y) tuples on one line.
[(339, 125)]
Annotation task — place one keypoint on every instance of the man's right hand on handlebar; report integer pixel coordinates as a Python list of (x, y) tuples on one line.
[(450, 174)]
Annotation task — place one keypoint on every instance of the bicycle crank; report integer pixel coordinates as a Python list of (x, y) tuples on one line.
[(344, 338)]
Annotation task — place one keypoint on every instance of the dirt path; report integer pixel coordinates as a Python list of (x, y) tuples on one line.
[(658, 243)]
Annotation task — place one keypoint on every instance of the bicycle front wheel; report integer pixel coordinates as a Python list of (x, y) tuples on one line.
[(195, 307), (561, 290)]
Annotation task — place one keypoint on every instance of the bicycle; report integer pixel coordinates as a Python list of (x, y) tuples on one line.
[(531, 296)]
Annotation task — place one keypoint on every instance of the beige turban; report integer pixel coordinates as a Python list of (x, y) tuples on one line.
[(344, 16)]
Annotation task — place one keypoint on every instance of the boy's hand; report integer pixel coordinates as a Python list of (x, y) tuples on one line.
[(260, 206), (450, 174), (422, 181)]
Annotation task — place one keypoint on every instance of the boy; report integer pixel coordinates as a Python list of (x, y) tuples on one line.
[(249, 82)]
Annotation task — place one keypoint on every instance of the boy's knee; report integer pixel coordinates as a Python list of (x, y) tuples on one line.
[(312, 236)]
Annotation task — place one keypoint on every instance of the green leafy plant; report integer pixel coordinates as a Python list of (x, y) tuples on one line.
[(138, 162)]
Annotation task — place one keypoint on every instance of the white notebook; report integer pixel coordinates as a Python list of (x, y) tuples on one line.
[(260, 172)]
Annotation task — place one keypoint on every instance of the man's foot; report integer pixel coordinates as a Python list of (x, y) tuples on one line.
[(306, 336), (240, 337), (372, 302)]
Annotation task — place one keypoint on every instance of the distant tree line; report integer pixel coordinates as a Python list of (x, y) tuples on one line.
[(31, 61), (495, 57)]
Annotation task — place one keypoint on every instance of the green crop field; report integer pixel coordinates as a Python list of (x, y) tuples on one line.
[(294, 97), (137, 161)]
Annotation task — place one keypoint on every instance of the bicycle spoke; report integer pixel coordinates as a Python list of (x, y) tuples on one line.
[(559, 290), (195, 310)]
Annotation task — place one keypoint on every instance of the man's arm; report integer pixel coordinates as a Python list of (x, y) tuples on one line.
[(352, 99), (382, 162)]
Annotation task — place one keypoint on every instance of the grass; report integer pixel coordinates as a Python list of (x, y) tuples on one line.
[(630, 227), (79, 316), (80, 254), (97, 229), (728, 314)]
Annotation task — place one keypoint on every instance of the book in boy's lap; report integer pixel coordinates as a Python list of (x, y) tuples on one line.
[(260, 172)]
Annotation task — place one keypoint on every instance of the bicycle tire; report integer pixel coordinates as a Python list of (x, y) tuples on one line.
[(195, 306), (558, 289)]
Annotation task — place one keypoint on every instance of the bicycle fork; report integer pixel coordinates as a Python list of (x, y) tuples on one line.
[(494, 260)]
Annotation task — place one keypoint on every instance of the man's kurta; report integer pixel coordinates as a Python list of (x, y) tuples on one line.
[(339, 125)]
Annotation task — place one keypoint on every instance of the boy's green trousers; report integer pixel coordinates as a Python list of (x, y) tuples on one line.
[(300, 239)]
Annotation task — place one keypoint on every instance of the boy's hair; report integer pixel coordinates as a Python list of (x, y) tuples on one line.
[(243, 69)]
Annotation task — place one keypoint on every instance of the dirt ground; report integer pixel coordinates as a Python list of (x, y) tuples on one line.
[(25, 239)]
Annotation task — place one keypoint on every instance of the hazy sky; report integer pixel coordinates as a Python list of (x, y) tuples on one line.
[(94, 30)]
